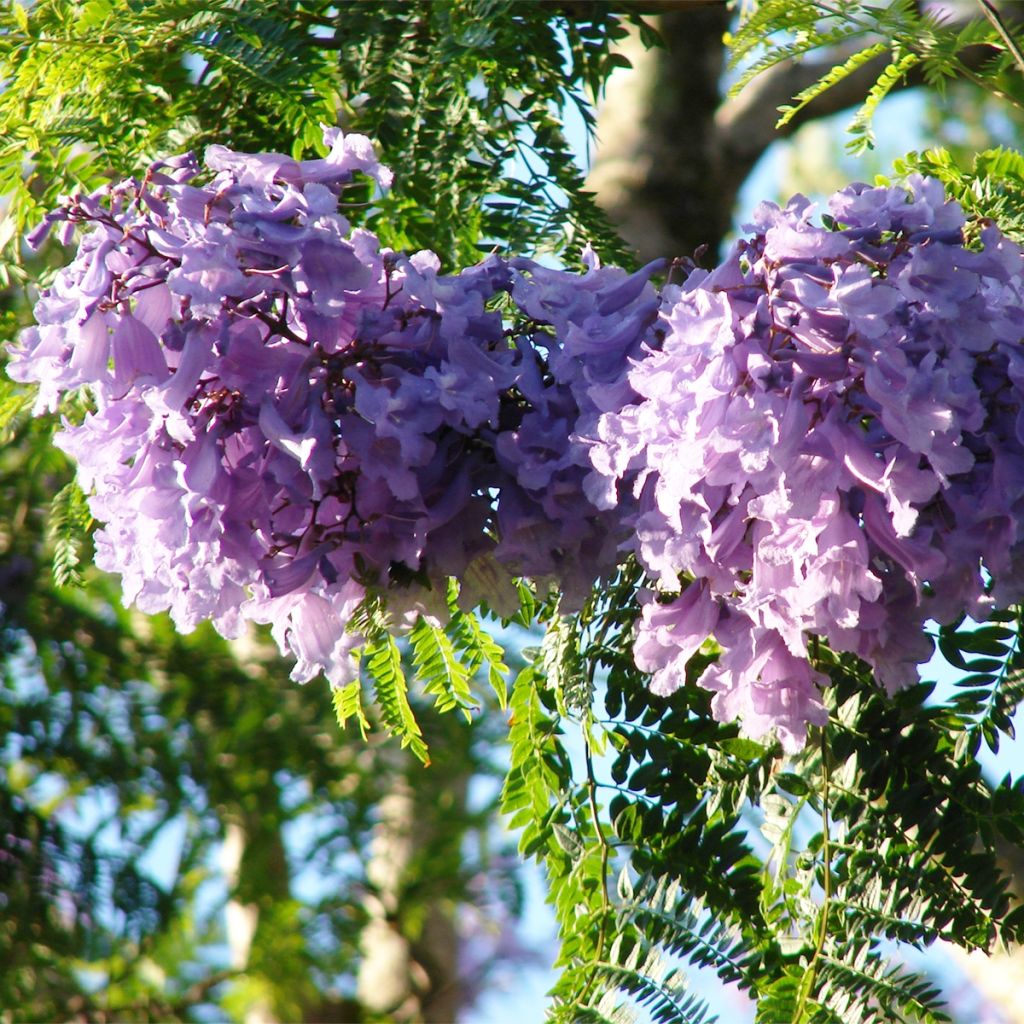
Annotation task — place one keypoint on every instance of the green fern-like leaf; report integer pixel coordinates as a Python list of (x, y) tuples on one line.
[(1001, 165), (842, 38), (666, 915), (829, 79), (860, 127), (794, 51), (992, 686), (561, 664), (348, 705), (661, 991), (782, 31), (440, 670), (656, 923), (479, 651), (15, 406), (383, 663), (864, 987), (69, 523), (540, 771)]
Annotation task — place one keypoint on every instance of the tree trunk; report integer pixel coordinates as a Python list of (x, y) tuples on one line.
[(659, 169), (411, 975), (242, 915)]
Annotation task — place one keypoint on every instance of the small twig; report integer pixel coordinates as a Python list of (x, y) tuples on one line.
[(807, 982), (990, 12), (606, 903)]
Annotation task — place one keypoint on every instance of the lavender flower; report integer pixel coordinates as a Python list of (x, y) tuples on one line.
[(288, 418), (826, 440), (821, 439)]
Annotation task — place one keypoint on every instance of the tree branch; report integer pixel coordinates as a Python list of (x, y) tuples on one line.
[(669, 170), (746, 125)]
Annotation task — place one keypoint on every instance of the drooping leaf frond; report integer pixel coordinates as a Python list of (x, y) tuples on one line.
[(439, 669), (845, 37), (383, 662), (69, 522)]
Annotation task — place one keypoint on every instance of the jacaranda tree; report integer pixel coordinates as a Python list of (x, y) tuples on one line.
[(741, 501)]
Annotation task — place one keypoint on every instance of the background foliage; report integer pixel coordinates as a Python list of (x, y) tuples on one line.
[(665, 837)]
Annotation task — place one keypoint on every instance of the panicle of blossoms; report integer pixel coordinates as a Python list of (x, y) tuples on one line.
[(829, 441), (287, 417), (580, 333)]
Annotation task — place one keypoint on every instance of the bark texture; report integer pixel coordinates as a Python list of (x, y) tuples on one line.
[(660, 169), (409, 968)]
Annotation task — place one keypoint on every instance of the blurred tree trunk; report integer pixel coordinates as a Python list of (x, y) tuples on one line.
[(409, 970), (386, 983), (410, 977), (660, 170), (252, 857)]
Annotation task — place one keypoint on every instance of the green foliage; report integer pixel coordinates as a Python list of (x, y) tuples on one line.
[(480, 652), (445, 662), (436, 661), (656, 828), (993, 687), (70, 519), (893, 74), (904, 847), (990, 188), (883, 828), (561, 664), (465, 99), (348, 704), (384, 664), (849, 35), (15, 404), (832, 77)]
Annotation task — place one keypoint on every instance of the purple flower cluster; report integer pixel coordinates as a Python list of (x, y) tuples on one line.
[(286, 418), (822, 438), (828, 441)]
